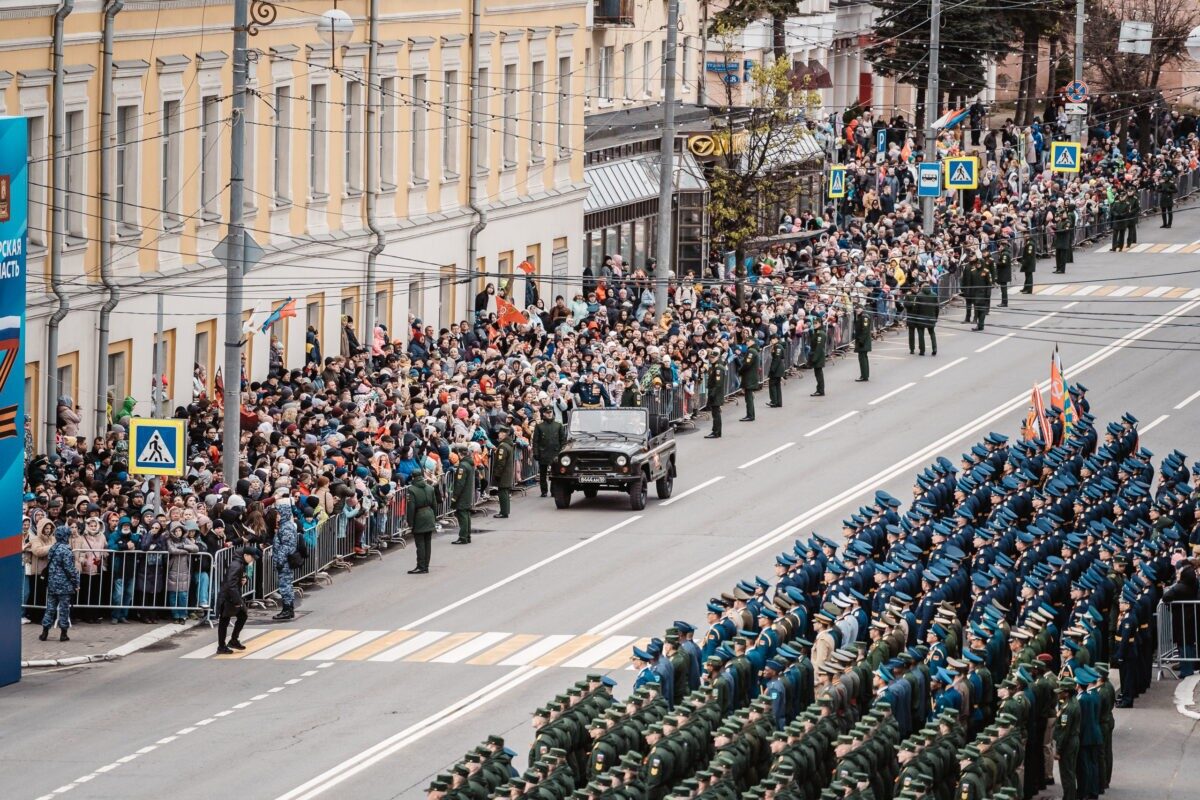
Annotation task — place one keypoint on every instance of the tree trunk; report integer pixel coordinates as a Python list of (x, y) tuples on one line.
[(779, 37), (919, 117), (1051, 82), (1029, 46)]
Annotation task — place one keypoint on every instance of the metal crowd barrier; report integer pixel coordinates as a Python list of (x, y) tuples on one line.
[(1178, 637), (135, 581)]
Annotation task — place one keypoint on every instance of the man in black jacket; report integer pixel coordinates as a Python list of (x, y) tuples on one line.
[(862, 343), (924, 306), (230, 602)]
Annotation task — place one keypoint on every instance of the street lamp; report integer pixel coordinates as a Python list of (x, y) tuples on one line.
[(1193, 43), (335, 27)]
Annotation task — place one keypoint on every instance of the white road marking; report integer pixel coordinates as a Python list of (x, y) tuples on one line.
[(538, 648), (765, 456), (1158, 291), (288, 643), (892, 393), (292, 681), (107, 768), (186, 731), (205, 721), (126, 759), (85, 778), (1175, 248), (504, 684), (1187, 400), (410, 646), (995, 342), (240, 706), (1039, 320), (417, 623), (600, 650), (166, 740), (344, 646), (64, 789), (260, 697), (945, 367), (829, 425), (479, 643), (1141, 247), (326, 665), (1071, 305), (150, 748), (692, 490), (275, 689), (1054, 288), (210, 650), (1192, 294), (1124, 290), (1152, 424), (1086, 290)]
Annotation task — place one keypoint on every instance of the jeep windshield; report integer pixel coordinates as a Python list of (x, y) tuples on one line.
[(599, 422)]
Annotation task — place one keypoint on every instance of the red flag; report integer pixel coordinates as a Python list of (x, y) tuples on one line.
[(508, 314), (526, 267), (1039, 414), (1056, 380)]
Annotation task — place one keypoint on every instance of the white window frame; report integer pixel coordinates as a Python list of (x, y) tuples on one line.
[(647, 51), (627, 72), (562, 116), (282, 178), (605, 68), (450, 126), (352, 133), (168, 180), (210, 157), (75, 145), (511, 116), (125, 168), (318, 141), (388, 89), (419, 124), (481, 101), (37, 170), (537, 110)]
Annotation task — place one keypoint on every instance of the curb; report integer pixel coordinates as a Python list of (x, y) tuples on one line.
[(155, 636), (1185, 697)]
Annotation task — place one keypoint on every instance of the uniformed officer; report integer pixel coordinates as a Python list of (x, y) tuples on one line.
[(462, 494), (422, 509), (715, 385), (777, 371), (1133, 217), (1167, 188), (749, 377), (548, 439), (1066, 737), (816, 356), (1064, 239), (1003, 263), (967, 287), (1116, 214), (1028, 264), (861, 332), (505, 462), (983, 294), (1125, 649)]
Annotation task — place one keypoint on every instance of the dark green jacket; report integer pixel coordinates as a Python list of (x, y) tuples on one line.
[(749, 369), (503, 462), (779, 363), (422, 505), (715, 383), (862, 333), (548, 439), (462, 485), (820, 339)]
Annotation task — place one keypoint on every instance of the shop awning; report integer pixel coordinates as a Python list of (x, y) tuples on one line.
[(790, 149), (812, 75), (612, 184)]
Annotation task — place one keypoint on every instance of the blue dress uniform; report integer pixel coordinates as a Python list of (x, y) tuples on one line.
[(692, 651), (947, 699), (1125, 653), (1091, 735), (666, 672), (774, 690), (646, 675)]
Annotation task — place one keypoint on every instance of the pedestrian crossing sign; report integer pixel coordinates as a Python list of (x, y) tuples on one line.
[(837, 182), (962, 172), (156, 447), (1065, 156)]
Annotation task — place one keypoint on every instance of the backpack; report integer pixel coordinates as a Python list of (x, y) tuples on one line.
[(297, 558)]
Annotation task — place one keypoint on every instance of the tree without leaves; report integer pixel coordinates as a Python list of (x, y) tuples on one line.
[(740, 13)]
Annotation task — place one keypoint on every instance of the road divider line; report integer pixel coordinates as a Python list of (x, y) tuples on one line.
[(945, 367), (892, 393), (446, 609), (1038, 321), (1154, 423), (506, 683), (829, 425), (765, 456), (693, 490), (1074, 303), (995, 342), (1187, 400)]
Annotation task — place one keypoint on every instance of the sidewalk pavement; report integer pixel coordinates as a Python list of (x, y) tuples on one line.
[(93, 642), (1156, 748)]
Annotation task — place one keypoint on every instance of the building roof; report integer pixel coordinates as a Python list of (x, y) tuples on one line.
[(612, 184), (611, 128)]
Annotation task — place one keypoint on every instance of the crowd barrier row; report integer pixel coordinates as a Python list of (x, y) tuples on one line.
[(1178, 634)]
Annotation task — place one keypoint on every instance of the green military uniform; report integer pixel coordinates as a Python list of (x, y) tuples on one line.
[(1003, 271), (1064, 241), (967, 287), (1066, 739), (715, 386), (983, 295), (505, 467), (1117, 213), (548, 439), (421, 513), (1134, 215), (776, 372), (1028, 264), (749, 377), (816, 357), (1167, 189), (862, 342), (462, 495)]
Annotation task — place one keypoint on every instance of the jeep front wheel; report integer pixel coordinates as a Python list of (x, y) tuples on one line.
[(664, 485), (562, 495), (637, 494)]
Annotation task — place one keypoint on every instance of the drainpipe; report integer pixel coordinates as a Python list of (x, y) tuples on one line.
[(481, 219), (372, 171), (108, 223), (57, 222)]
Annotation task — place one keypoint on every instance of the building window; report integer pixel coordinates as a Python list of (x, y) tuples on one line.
[(74, 135), (314, 318), (416, 301), (210, 156), (68, 376), (387, 133), (420, 134), (480, 101), (606, 73), (447, 294), (450, 123), (170, 164), (283, 145), (662, 66), (627, 72), (205, 352), (353, 137), (33, 395), (248, 160), (562, 115), (317, 137), (589, 75), (510, 115), (537, 110), (164, 359), (119, 384), (36, 155), (126, 167), (646, 51), (688, 44)]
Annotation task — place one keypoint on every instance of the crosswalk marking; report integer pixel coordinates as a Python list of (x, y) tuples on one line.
[(1191, 248), (346, 645), (267, 639), (566, 650), (1124, 290), (1191, 294), (1141, 291), (1175, 248), (1178, 291), (316, 645), (621, 657), (414, 644), (290, 639), (1086, 290), (504, 649), (479, 643), (442, 646), (376, 646), (1140, 248), (210, 650), (593, 654), (1105, 291), (534, 650), (1158, 248)]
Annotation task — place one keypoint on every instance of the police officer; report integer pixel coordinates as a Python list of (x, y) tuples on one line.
[(1028, 264), (505, 466), (548, 439), (1116, 214), (816, 356), (1167, 189), (967, 286), (749, 377), (421, 508), (861, 331), (1064, 239), (462, 493), (715, 384), (776, 372), (1134, 215), (1003, 263), (983, 295)]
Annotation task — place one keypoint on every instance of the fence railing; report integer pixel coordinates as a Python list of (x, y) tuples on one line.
[(1178, 638)]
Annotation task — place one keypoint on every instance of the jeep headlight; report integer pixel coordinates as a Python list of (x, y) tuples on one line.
[(565, 461), (622, 461)]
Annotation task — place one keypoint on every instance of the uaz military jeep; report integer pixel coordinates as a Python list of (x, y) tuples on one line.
[(615, 449)]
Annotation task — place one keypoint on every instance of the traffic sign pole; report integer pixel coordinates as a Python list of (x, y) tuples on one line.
[(158, 402), (1079, 124)]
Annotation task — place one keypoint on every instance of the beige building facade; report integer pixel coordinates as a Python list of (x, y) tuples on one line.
[(306, 184)]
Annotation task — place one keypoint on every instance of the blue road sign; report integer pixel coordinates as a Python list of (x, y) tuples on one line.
[(837, 182), (929, 179), (962, 172), (1064, 156), (1077, 91), (156, 446), (881, 140)]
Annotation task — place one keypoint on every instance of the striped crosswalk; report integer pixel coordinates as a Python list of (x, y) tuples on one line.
[(1165, 249), (1115, 291), (479, 648)]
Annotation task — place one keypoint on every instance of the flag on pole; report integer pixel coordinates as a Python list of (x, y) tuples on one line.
[(1068, 415), (526, 267), (287, 309), (1038, 413), (508, 314), (1056, 381)]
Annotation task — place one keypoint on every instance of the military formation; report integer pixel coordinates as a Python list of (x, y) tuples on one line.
[(965, 648)]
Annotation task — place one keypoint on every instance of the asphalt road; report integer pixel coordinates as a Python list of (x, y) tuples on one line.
[(545, 588)]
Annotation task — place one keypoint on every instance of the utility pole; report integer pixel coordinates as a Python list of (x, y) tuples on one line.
[(932, 106), (235, 267), (702, 81), (1079, 123), (158, 403), (666, 164)]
